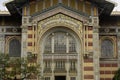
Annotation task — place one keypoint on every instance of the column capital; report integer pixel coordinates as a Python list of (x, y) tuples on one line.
[(95, 30)]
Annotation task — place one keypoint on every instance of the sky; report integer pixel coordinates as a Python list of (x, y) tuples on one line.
[(3, 8)]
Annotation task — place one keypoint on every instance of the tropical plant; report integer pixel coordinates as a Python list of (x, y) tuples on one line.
[(4, 60), (117, 75), (11, 67), (29, 67)]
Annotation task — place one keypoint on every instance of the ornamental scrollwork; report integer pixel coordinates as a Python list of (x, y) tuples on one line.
[(59, 20)]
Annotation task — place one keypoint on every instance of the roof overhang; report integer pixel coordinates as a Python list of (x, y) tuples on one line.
[(4, 13), (115, 13), (104, 7), (15, 6)]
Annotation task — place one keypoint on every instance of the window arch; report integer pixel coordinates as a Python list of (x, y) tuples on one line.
[(14, 48), (60, 42), (107, 48)]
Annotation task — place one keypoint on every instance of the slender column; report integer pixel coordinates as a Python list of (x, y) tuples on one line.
[(118, 42), (52, 43), (87, 38), (78, 68), (24, 42), (96, 53), (67, 44), (2, 43), (52, 67), (67, 68)]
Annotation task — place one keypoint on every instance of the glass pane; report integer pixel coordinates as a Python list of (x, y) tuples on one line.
[(48, 48), (72, 44), (107, 49), (60, 42), (15, 48)]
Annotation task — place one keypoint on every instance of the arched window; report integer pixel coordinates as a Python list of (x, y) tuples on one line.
[(107, 49), (60, 42), (14, 48)]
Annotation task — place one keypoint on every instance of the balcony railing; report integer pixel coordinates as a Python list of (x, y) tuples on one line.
[(60, 56), (60, 70), (47, 70)]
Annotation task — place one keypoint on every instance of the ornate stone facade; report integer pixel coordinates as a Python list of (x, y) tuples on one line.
[(66, 36)]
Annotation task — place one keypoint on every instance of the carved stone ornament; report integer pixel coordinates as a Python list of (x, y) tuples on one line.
[(60, 20)]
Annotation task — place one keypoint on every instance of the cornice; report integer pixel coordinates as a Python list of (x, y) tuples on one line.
[(60, 9)]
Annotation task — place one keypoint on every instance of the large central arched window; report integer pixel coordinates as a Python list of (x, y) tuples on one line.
[(60, 42)]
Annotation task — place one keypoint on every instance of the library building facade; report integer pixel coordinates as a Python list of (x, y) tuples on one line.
[(71, 39)]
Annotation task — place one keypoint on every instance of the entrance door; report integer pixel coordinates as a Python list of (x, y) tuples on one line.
[(60, 77)]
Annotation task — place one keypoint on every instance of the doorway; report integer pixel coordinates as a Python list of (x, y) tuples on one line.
[(60, 77)]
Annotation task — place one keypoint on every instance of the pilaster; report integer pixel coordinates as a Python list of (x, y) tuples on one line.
[(118, 42), (24, 41), (96, 53), (2, 43), (24, 27)]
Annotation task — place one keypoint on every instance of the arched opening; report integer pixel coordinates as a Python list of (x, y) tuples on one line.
[(60, 42), (61, 52), (14, 48)]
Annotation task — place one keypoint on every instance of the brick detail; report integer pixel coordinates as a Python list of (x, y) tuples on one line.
[(90, 28), (114, 65), (88, 68), (105, 79), (90, 36), (90, 44), (88, 76), (88, 60), (107, 70), (29, 43), (30, 28), (29, 35), (108, 65)]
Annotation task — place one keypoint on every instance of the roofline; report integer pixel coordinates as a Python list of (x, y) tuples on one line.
[(116, 4), (102, 4), (3, 13), (8, 1), (115, 13)]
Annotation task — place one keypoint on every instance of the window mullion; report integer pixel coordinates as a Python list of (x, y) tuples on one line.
[(67, 43), (52, 42)]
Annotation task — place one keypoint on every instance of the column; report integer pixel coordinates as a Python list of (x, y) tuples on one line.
[(52, 67), (67, 43), (79, 68), (2, 43), (96, 53), (24, 36), (52, 43), (24, 42), (67, 67), (118, 42)]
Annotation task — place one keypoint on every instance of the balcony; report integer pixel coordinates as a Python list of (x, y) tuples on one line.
[(59, 70), (60, 56), (47, 70), (73, 70)]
